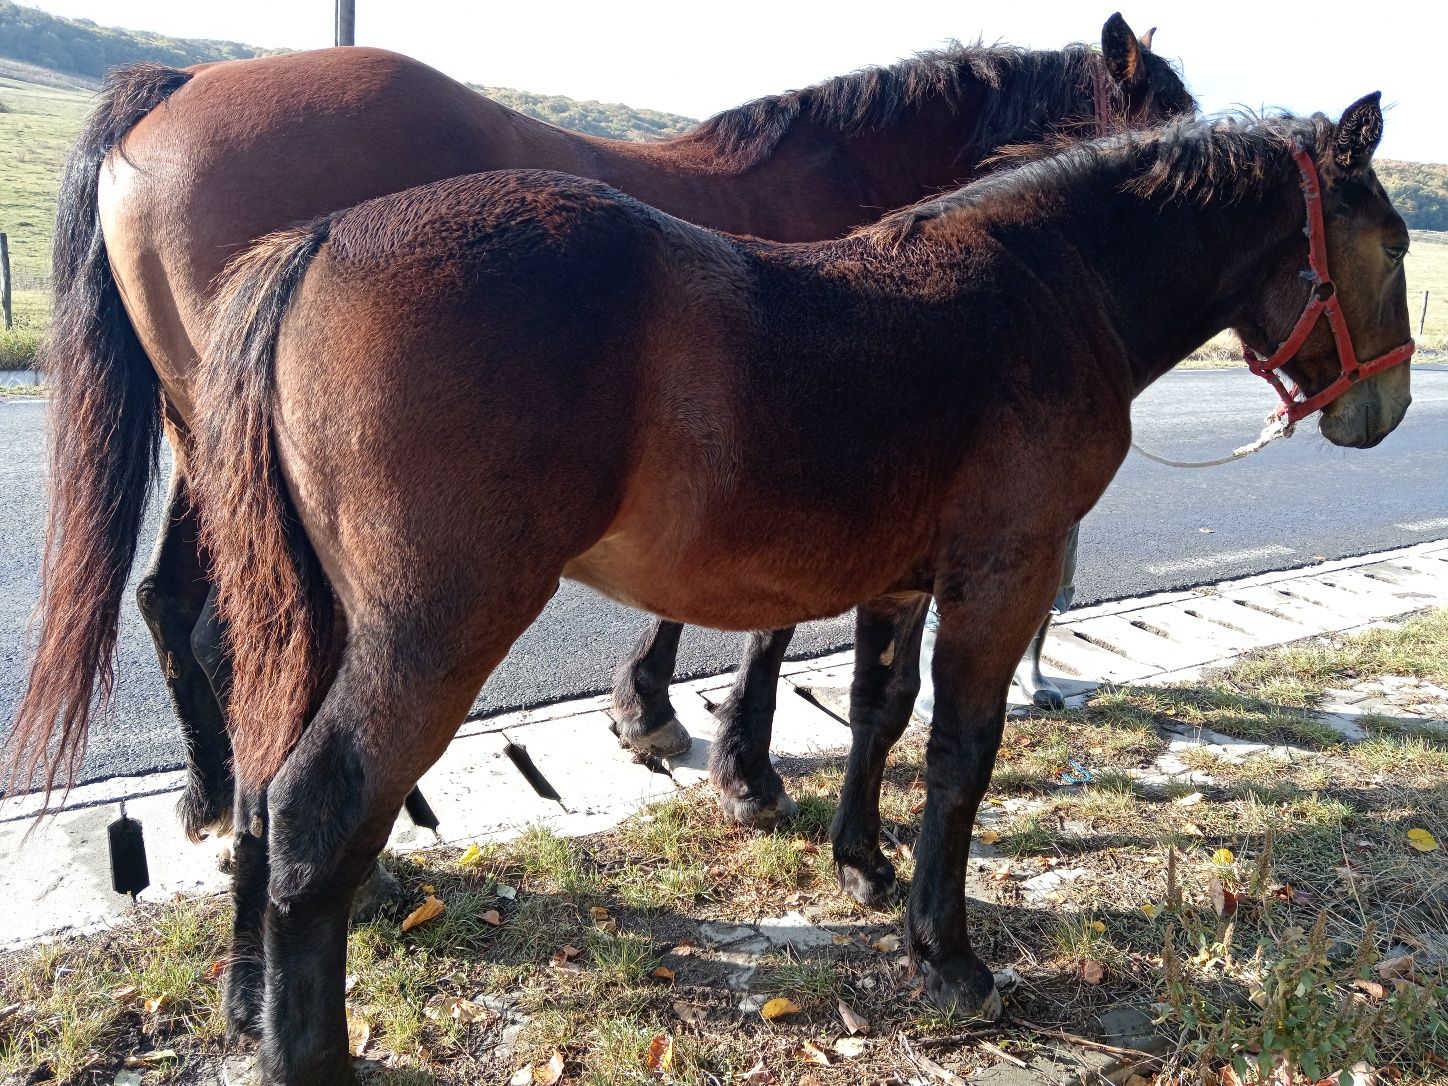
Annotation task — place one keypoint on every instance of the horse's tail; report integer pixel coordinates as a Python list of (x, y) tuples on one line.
[(272, 594), (104, 434)]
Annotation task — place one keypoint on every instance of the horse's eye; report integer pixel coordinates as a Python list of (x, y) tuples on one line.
[(1396, 253)]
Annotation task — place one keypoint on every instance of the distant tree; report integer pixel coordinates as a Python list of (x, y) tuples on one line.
[(608, 119), (1419, 190)]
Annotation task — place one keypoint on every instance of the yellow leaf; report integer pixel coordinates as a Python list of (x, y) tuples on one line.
[(160, 1003), (1152, 911), (430, 909), (551, 1072), (472, 856), (988, 837), (661, 1054), (429, 889), (359, 1031), (810, 1051), (1097, 926), (1422, 840), (778, 1007), (1223, 856)]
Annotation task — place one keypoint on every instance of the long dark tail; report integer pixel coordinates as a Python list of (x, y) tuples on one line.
[(270, 590), (104, 433)]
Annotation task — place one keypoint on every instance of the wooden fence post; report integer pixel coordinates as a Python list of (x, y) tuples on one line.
[(5, 281), (1423, 316), (346, 22)]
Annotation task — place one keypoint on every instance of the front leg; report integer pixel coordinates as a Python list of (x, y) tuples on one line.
[(987, 616), (748, 786), (887, 679)]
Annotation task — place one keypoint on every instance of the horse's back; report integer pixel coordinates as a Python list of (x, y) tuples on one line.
[(246, 148)]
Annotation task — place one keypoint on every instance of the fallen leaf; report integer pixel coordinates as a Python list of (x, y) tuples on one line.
[(778, 1007), (758, 1075), (1224, 857), (160, 1003), (691, 1014), (850, 1047), (472, 856), (442, 1007), (550, 1072), (1191, 829), (506, 892), (1099, 927), (1422, 840), (842, 940), (852, 1019), (492, 917), (125, 994), (523, 1076), (1092, 971), (359, 1031), (1400, 967), (661, 1055), (1224, 902), (430, 909), (814, 1054), (602, 920), (683, 950), (1373, 989), (1152, 911), (886, 944), (146, 1059), (1190, 800), (216, 968), (663, 972), (429, 888), (988, 837)]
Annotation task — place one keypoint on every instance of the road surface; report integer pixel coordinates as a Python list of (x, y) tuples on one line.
[(1157, 528)]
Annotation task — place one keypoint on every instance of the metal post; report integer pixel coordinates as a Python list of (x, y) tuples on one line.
[(5, 281), (1423, 316), (346, 22)]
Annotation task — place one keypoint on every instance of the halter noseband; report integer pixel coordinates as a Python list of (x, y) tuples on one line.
[(1323, 299)]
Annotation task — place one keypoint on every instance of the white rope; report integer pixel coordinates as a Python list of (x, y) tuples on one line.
[(1274, 429)]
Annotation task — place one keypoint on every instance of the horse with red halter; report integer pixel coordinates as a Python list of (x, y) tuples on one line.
[(431, 407)]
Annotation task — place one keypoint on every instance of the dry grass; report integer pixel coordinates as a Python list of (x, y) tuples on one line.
[(1248, 911)]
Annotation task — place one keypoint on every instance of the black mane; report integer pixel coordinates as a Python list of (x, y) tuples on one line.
[(1042, 85), (1222, 159)]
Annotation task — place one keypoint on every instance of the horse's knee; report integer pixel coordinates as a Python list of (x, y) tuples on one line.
[(316, 808), (151, 602)]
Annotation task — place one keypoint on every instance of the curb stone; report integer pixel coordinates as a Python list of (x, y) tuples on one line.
[(56, 882)]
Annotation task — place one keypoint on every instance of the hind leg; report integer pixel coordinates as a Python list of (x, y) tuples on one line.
[(887, 679), (749, 789), (397, 699), (171, 597), (644, 719)]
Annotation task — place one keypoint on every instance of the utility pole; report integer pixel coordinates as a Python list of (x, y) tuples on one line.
[(346, 22)]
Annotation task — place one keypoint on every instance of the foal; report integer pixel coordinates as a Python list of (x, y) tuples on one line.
[(438, 403)]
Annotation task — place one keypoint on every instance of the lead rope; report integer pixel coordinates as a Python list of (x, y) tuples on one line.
[(1274, 429)]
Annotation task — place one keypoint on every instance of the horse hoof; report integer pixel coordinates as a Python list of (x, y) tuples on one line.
[(873, 888), (973, 996), (759, 814), (1049, 698), (669, 740), (379, 891)]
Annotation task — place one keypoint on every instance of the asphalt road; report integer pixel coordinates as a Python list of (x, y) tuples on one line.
[(1156, 529)]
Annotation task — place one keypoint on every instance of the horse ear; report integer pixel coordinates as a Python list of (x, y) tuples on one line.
[(1122, 52), (1146, 39), (1358, 133)]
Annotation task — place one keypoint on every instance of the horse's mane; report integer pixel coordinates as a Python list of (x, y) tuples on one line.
[(1223, 159), (1042, 85)]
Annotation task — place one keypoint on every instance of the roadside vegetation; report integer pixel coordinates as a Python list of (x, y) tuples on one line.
[(1269, 914)]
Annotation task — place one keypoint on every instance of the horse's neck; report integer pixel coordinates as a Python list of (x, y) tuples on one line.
[(1168, 276)]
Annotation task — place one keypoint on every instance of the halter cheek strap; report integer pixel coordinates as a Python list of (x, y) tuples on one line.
[(1323, 299)]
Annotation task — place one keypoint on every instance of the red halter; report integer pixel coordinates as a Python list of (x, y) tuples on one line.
[(1323, 299)]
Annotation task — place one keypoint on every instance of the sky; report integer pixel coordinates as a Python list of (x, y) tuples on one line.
[(699, 58)]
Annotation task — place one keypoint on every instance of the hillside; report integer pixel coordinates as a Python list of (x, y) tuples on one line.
[(1419, 191), (610, 119), (80, 47)]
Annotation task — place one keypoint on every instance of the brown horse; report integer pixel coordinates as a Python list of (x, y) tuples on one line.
[(217, 156), (433, 406)]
